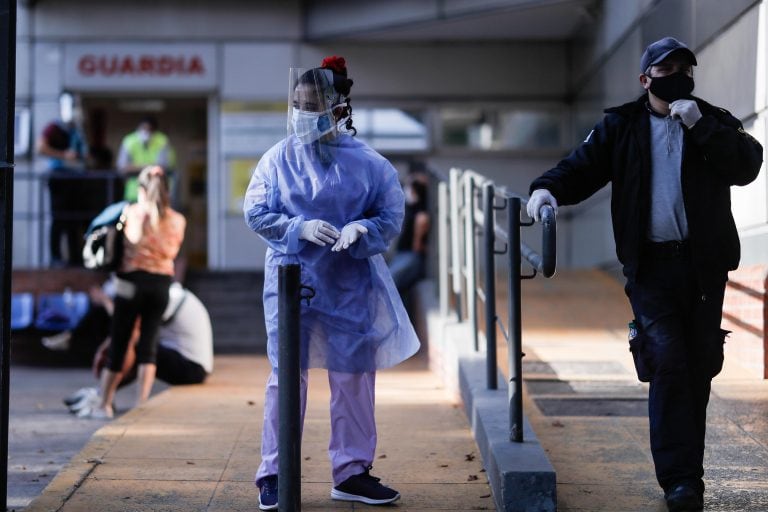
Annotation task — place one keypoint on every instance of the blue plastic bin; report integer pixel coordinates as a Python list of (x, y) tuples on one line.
[(60, 311), (22, 310)]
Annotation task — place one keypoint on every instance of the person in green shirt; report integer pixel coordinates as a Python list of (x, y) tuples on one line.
[(143, 147)]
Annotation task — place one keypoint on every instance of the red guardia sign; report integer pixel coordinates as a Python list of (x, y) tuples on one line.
[(140, 67), (91, 65)]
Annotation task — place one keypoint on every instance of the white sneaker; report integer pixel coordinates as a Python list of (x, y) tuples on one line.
[(58, 342), (96, 413), (79, 394), (76, 400)]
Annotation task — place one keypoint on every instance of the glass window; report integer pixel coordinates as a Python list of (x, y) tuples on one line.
[(391, 129), (501, 129)]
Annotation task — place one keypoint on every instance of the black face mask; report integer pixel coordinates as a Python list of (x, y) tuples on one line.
[(672, 87)]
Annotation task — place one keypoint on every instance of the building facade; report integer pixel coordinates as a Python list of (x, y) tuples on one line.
[(504, 87)]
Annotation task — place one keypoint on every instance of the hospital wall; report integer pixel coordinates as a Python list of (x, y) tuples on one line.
[(255, 46), (253, 49), (729, 39)]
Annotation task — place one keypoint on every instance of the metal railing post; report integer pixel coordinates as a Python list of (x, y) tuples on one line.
[(484, 222), (515, 352), (289, 378), (548, 241), (443, 215), (470, 250), (489, 256), (455, 177)]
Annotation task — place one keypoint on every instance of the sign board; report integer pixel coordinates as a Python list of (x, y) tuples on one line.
[(240, 171), (129, 67)]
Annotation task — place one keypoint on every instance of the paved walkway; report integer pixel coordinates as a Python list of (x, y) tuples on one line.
[(196, 448), (590, 412)]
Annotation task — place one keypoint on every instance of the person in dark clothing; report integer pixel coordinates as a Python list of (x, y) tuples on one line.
[(62, 142), (408, 265), (671, 159)]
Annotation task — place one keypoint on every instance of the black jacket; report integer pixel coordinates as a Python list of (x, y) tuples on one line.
[(717, 153)]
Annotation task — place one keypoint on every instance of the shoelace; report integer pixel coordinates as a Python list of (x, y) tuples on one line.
[(369, 475)]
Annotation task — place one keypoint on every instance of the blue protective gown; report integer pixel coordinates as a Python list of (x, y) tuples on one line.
[(356, 321)]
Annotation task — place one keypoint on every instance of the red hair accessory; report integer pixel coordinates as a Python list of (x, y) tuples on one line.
[(335, 64)]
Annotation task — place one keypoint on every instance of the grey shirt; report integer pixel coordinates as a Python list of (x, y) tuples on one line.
[(667, 218), (187, 327)]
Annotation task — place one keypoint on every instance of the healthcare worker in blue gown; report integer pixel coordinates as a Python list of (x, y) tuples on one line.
[(326, 201)]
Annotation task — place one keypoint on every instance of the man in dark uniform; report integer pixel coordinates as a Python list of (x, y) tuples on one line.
[(671, 159)]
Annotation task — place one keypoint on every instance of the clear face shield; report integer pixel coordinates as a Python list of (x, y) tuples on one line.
[(313, 111)]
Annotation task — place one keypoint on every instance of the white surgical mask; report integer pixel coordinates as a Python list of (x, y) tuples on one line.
[(144, 136), (310, 126)]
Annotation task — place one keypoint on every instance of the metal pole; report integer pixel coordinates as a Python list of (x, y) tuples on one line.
[(470, 250), (289, 378), (490, 286), (443, 215), (7, 134), (515, 349), (455, 177)]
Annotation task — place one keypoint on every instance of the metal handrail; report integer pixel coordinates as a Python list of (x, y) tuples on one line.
[(481, 222), (101, 188)]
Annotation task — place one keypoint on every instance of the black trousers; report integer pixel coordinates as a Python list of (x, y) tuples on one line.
[(90, 332), (175, 369), (68, 220), (679, 348), (147, 297), (172, 368)]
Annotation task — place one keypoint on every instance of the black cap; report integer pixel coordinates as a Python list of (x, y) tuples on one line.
[(658, 51)]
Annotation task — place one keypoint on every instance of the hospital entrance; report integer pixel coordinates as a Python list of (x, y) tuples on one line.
[(107, 119)]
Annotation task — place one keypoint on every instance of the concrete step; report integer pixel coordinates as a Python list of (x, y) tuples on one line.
[(234, 303)]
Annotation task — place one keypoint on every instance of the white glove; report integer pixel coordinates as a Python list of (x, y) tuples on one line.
[(539, 198), (350, 234), (685, 110), (318, 232)]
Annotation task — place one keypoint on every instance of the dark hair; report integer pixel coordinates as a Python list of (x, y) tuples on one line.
[(151, 121), (420, 189), (56, 136), (347, 111)]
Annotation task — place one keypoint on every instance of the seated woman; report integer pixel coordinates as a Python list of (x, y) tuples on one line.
[(408, 265)]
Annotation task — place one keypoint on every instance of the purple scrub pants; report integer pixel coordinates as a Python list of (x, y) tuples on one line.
[(353, 426)]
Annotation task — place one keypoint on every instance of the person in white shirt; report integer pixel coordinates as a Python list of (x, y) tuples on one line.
[(184, 356)]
